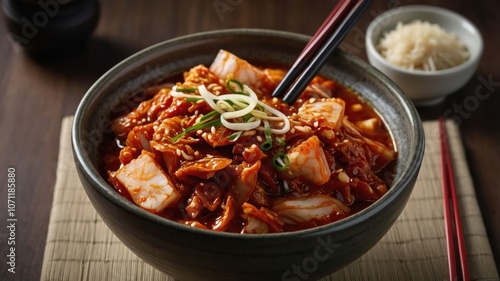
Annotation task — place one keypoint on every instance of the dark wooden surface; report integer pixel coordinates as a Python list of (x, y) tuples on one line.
[(36, 93)]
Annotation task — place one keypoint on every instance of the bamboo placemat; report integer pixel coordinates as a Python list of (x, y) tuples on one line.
[(80, 247)]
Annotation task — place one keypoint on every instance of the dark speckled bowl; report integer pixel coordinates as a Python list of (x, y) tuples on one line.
[(188, 253)]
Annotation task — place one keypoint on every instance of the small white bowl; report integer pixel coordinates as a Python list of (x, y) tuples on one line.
[(426, 88)]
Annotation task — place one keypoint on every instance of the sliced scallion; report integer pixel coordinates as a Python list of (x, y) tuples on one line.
[(280, 141), (268, 143), (193, 99), (185, 90), (235, 136), (280, 161), (231, 89), (196, 127), (209, 115), (286, 187)]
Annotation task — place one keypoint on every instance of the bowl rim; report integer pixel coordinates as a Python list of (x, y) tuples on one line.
[(105, 190), (473, 59)]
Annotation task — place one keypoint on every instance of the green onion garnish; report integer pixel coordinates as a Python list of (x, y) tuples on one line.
[(235, 136), (268, 143), (185, 90), (280, 141), (209, 115), (193, 99), (246, 117), (265, 146), (231, 89), (197, 126), (286, 187), (280, 161)]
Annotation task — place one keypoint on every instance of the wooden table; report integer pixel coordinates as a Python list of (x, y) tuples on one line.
[(35, 94)]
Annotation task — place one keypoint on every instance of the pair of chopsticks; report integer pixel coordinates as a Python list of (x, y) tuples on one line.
[(325, 40), (453, 225)]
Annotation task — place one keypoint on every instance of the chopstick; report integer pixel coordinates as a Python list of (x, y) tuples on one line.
[(453, 225), (325, 40)]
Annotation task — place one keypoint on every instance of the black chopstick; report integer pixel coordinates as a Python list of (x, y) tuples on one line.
[(332, 22), (453, 224), (319, 49)]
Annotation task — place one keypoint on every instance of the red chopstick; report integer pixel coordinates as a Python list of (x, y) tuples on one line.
[(453, 225), (321, 45)]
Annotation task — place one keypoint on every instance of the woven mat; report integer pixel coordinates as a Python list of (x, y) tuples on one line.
[(80, 247)]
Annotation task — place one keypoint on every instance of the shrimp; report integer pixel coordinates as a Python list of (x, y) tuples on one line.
[(306, 208), (308, 160), (227, 66), (149, 186)]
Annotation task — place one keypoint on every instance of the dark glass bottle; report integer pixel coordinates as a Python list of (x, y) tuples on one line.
[(50, 26)]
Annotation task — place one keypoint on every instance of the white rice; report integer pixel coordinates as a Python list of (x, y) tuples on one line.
[(422, 46)]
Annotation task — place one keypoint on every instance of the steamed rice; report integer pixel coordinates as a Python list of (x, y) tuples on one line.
[(422, 46)]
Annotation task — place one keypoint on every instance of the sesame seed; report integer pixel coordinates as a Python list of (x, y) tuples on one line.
[(330, 135), (249, 133), (212, 129), (211, 86), (304, 129), (210, 137), (186, 156), (316, 124), (189, 149), (259, 138), (178, 152), (343, 177), (311, 100), (357, 107)]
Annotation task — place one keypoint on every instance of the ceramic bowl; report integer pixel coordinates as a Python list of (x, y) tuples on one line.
[(188, 253), (424, 87)]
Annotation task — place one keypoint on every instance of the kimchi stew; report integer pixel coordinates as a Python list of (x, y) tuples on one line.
[(216, 151)]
